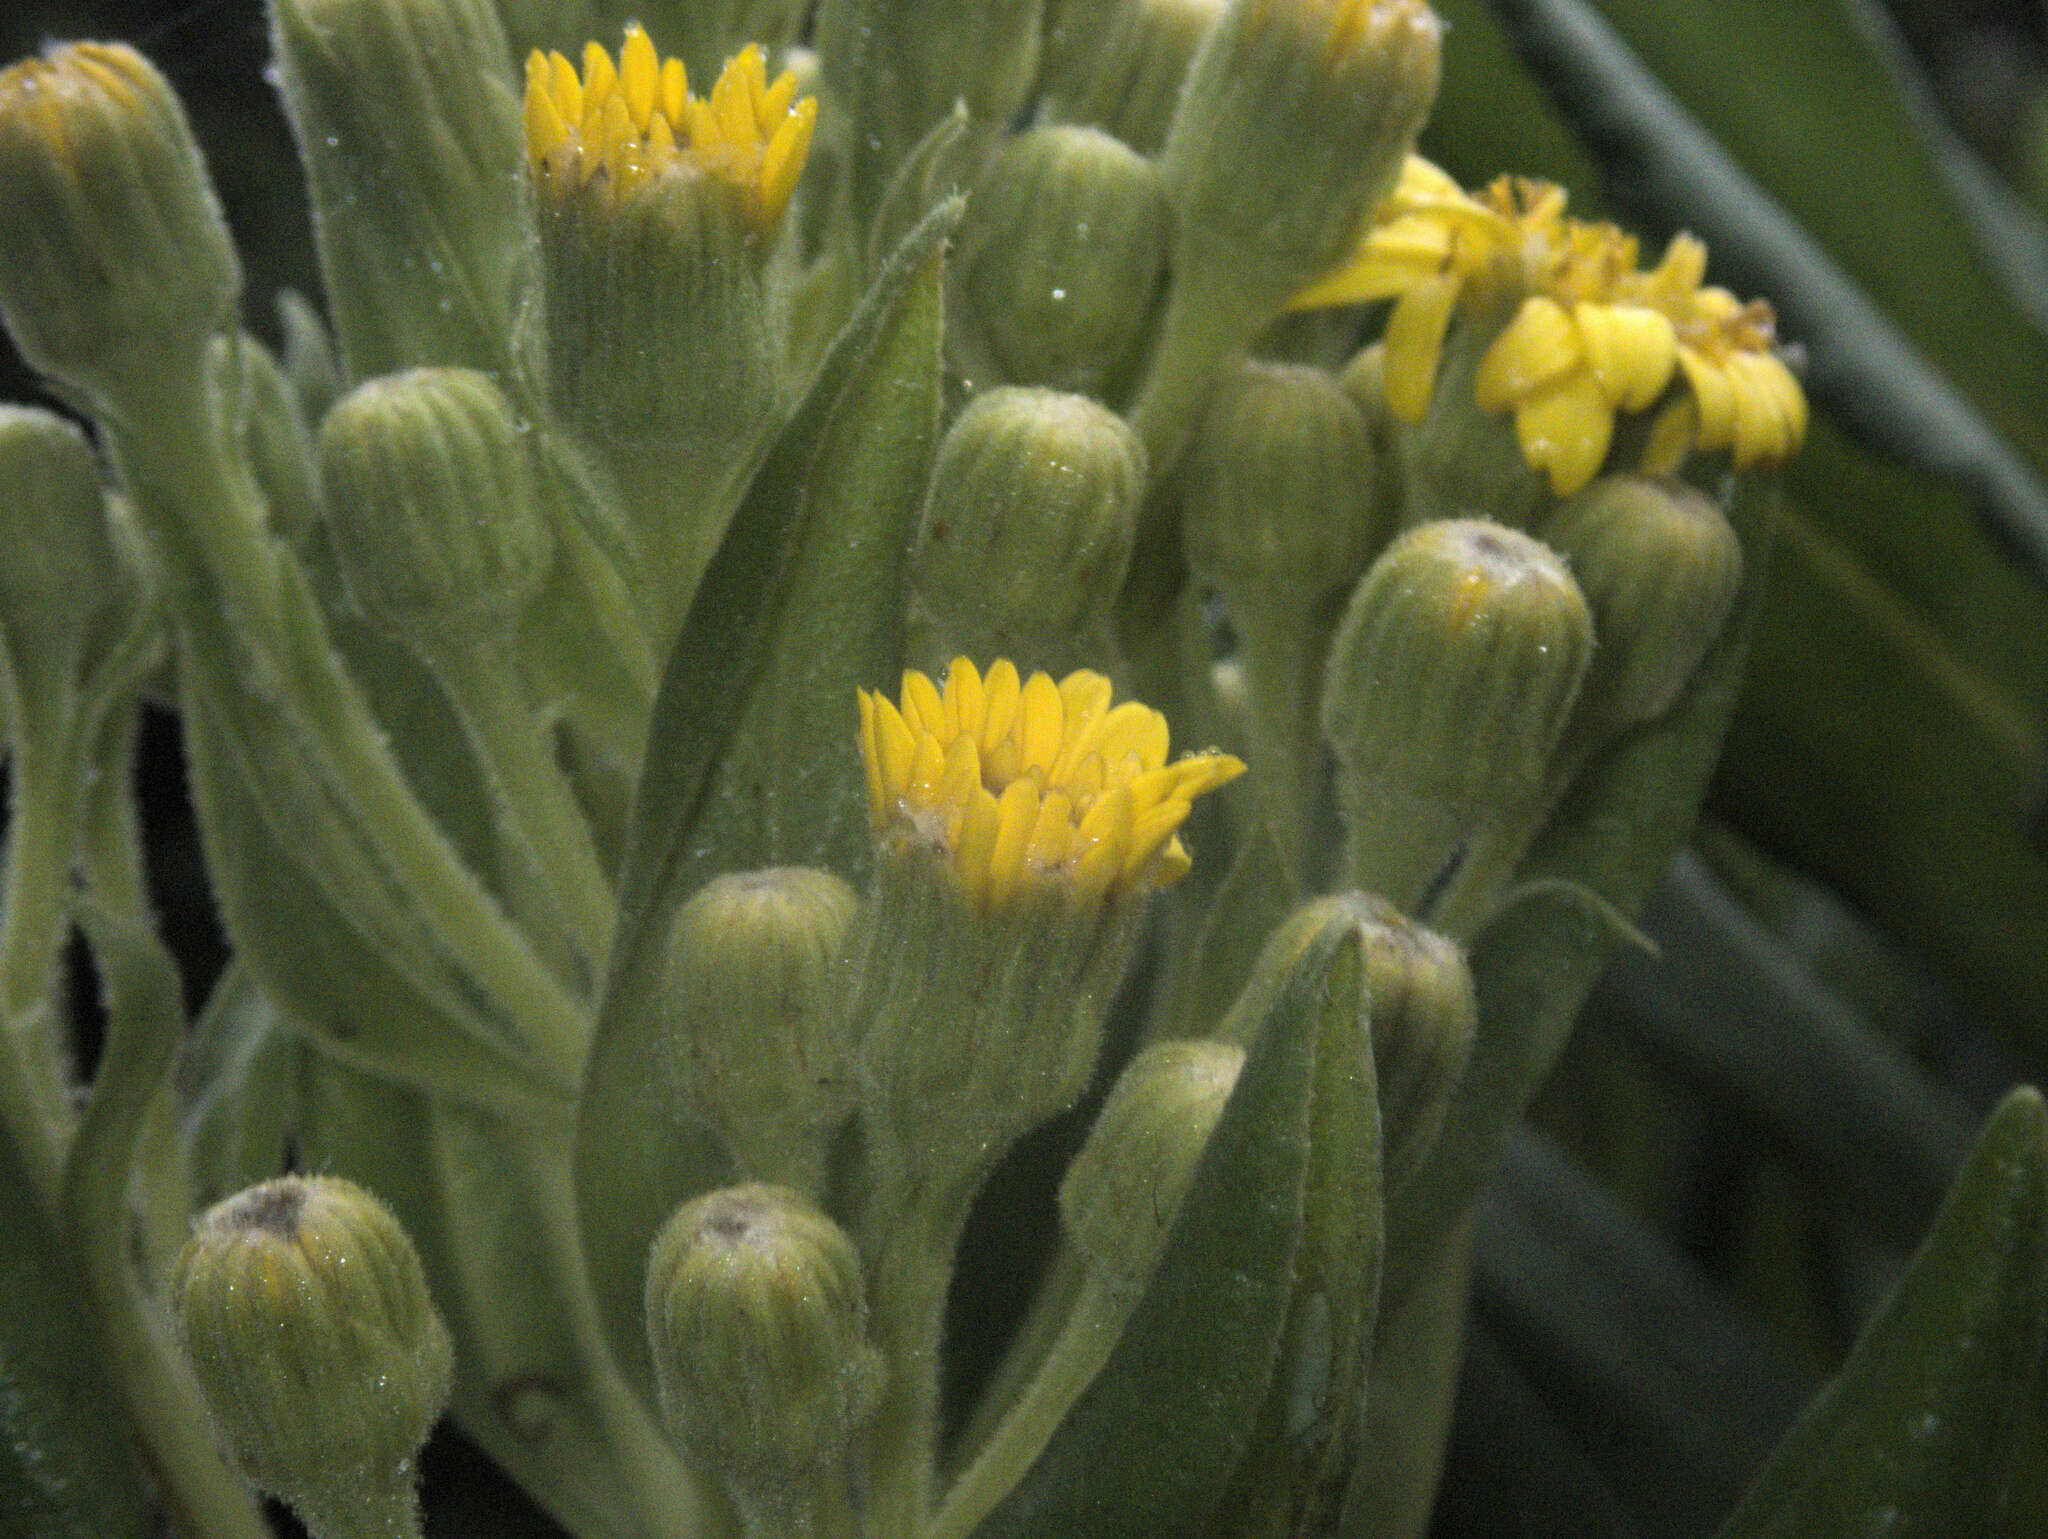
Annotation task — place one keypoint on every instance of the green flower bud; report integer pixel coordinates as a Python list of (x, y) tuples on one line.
[(1660, 565), (1028, 530), (751, 1004), (115, 264), (1294, 121), (1059, 259), (431, 501), (302, 1307), (757, 1321), (1449, 684), (59, 574), (1276, 489), (1124, 1189), (1277, 513), (1124, 70), (1420, 1006), (410, 133)]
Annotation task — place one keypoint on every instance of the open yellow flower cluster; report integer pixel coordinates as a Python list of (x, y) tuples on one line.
[(1016, 779), (1592, 332), (627, 123)]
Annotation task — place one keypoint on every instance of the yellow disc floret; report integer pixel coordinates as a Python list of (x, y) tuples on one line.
[(1590, 332), (1017, 781), (624, 124)]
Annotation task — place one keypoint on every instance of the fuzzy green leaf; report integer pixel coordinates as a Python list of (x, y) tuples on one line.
[(66, 1469), (1150, 1446), (1916, 1435)]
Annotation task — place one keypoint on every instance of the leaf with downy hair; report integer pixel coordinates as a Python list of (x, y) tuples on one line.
[(1150, 1446), (1916, 1434)]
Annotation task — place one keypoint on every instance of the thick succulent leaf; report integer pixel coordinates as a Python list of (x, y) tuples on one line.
[(1890, 738), (737, 683), (1740, 1019), (1150, 1446), (1916, 1434), (1662, 1382), (337, 984)]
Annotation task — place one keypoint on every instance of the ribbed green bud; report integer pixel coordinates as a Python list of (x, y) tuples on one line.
[(1421, 1013), (1028, 529), (751, 1002), (757, 1322), (1449, 684), (1059, 259), (410, 133), (1278, 515), (302, 1307), (431, 501), (1276, 488), (58, 569), (1660, 565), (1295, 121), (1293, 124), (115, 264), (1120, 64), (1124, 1189)]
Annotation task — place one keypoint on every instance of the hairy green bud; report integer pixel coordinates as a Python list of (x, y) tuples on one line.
[(307, 1320), (59, 573), (1450, 681), (757, 1322), (1660, 564), (1028, 530), (751, 1004), (1060, 258), (115, 263), (430, 498)]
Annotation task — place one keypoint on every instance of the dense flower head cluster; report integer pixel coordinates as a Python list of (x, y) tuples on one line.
[(625, 123), (1016, 779), (1591, 333)]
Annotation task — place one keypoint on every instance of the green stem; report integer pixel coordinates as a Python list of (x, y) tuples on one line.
[(532, 800), (205, 504), (203, 1495), (915, 1235), (42, 841), (1281, 644), (1084, 1344), (657, 1489)]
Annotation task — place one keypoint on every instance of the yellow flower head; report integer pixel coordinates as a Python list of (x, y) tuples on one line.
[(1031, 781), (1591, 333), (622, 125)]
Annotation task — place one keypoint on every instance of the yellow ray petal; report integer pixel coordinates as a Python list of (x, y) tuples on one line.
[(639, 74), (1714, 394), (1565, 429), (1632, 349), (1415, 337), (1534, 348)]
